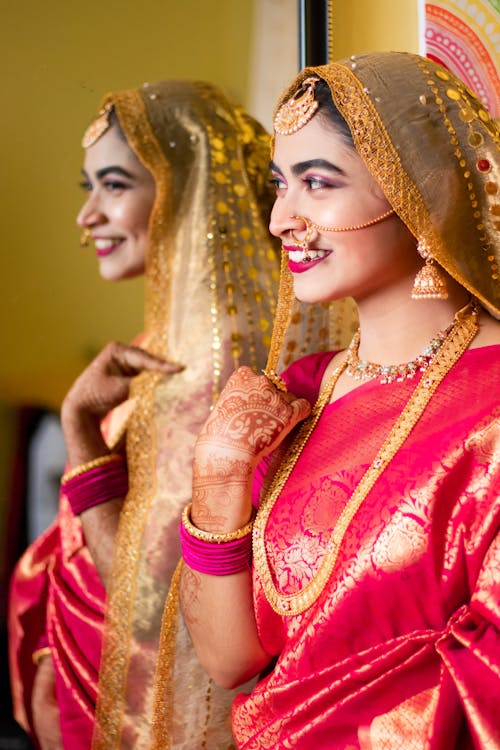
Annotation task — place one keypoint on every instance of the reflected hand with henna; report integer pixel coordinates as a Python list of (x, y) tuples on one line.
[(104, 384)]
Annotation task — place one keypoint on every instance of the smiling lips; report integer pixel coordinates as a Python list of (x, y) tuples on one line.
[(106, 245), (300, 261)]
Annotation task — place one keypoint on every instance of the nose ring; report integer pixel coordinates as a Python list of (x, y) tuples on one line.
[(304, 243), (85, 237)]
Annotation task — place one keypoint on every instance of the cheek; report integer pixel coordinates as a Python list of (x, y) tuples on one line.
[(138, 218), (344, 211)]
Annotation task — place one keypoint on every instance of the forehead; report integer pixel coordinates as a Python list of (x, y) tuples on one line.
[(318, 139), (110, 149)]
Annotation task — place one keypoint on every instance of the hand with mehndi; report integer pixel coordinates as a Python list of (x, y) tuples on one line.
[(251, 418), (104, 384)]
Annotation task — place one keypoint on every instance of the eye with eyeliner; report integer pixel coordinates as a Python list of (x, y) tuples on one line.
[(115, 186), (277, 182), (314, 182), (110, 185)]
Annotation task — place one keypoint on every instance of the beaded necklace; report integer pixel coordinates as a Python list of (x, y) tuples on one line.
[(362, 369), (462, 331)]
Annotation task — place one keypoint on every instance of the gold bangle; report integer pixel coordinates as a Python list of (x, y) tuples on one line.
[(82, 468), (210, 536), (38, 655)]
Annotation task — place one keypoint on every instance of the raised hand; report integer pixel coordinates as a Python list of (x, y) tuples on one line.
[(103, 385), (250, 419)]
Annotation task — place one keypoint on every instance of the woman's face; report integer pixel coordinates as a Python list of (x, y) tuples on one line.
[(320, 176), (120, 197)]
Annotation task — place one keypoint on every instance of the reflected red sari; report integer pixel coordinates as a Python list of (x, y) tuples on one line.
[(402, 648), (57, 597)]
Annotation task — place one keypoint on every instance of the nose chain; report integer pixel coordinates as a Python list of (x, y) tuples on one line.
[(311, 226)]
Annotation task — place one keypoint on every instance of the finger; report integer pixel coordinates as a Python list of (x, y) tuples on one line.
[(301, 408), (131, 360)]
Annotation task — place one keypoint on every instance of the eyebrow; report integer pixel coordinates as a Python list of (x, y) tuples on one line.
[(110, 170), (303, 166)]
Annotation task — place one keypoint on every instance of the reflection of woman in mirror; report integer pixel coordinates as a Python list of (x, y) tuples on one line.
[(176, 189), (373, 601)]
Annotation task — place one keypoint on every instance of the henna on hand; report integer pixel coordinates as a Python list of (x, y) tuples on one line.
[(103, 385), (217, 481), (190, 587), (250, 418)]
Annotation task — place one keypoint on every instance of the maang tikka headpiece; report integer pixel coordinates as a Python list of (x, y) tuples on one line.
[(98, 127), (297, 111)]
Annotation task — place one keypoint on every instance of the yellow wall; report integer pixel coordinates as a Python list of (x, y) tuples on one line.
[(60, 57), (374, 25)]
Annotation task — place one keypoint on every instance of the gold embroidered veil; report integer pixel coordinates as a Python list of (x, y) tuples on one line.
[(211, 283), (434, 149)]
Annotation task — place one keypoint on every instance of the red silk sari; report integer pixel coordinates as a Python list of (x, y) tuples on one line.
[(402, 649), (59, 600)]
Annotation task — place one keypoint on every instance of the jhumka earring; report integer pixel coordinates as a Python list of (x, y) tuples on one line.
[(429, 282), (85, 238)]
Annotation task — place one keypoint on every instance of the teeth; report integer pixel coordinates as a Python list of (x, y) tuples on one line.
[(297, 256), (105, 244)]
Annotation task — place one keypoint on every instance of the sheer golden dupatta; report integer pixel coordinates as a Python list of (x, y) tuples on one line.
[(405, 134), (212, 275)]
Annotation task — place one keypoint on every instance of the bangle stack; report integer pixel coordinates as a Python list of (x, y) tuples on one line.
[(215, 554), (98, 481)]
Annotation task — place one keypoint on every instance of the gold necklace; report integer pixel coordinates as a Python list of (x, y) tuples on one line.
[(462, 332), (362, 369)]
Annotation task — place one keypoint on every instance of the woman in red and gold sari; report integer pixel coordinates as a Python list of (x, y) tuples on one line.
[(372, 608), (177, 188)]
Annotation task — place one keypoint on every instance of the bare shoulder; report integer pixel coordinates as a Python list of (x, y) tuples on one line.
[(489, 331)]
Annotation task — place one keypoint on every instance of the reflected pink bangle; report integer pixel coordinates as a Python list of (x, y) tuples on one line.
[(216, 559), (96, 485)]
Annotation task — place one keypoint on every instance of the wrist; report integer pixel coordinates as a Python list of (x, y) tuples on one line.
[(96, 482), (219, 554), (222, 507), (82, 435)]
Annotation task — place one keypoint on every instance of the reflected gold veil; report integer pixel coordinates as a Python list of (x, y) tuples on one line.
[(211, 282)]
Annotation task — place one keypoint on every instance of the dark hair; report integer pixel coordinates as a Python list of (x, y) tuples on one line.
[(329, 111), (113, 120)]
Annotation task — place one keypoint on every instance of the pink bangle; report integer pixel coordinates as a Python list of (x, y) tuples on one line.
[(95, 486), (223, 559), (108, 458)]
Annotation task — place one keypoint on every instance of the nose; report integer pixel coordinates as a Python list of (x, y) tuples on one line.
[(90, 214), (283, 224)]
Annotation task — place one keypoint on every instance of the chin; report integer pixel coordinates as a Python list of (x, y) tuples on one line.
[(314, 296), (109, 273)]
